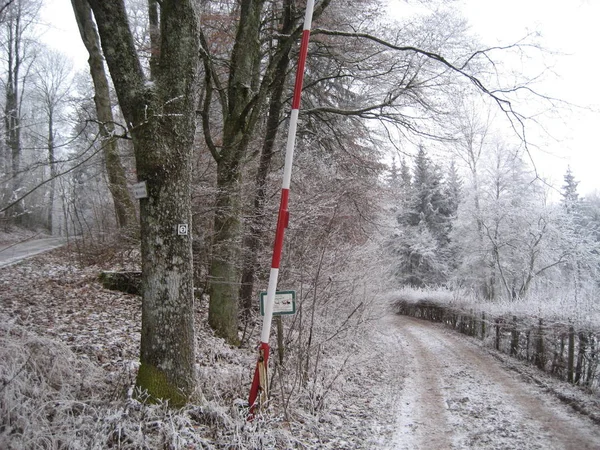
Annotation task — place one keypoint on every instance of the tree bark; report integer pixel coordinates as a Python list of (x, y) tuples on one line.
[(117, 181), (239, 122), (12, 111), (160, 114), (225, 265), (53, 170)]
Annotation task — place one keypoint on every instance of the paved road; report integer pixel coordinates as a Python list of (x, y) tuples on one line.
[(457, 396), (11, 254)]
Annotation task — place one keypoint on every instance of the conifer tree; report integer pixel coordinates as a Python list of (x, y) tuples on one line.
[(422, 246), (570, 196)]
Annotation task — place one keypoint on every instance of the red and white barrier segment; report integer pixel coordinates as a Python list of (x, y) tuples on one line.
[(260, 381)]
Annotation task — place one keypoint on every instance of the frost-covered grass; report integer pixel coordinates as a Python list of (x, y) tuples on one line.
[(69, 352), (552, 306), (52, 398)]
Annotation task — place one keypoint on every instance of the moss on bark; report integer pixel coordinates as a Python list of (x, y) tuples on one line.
[(154, 382)]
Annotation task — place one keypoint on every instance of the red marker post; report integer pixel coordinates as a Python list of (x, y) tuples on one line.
[(260, 381)]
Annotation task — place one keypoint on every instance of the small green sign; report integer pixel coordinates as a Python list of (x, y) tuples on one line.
[(284, 303)]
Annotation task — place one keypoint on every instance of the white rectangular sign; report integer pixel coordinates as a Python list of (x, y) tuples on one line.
[(284, 303), (139, 190)]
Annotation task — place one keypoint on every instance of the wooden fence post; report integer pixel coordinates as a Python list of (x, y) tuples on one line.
[(571, 354), (514, 342), (497, 334), (579, 368), (592, 362), (540, 357)]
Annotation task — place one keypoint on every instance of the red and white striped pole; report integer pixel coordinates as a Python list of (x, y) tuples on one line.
[(259, 383)]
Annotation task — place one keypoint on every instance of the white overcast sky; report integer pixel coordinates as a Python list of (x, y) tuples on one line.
[(569, 27)]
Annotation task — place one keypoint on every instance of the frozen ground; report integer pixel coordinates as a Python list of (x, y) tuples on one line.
[(393, 383), (457, 395)]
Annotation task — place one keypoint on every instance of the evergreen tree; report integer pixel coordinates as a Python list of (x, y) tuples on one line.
[(393, 178), (427, 202), (452, 196), (423, 241), (405, 176), (570, 196), (452, 191)]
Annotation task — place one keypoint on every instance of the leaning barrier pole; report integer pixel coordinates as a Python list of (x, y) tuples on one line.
[(260, 380)]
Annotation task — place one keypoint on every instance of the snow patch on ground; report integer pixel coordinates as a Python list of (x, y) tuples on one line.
[(484, 405)]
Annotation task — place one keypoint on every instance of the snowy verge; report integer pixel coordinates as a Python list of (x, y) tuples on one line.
[(70, 360)]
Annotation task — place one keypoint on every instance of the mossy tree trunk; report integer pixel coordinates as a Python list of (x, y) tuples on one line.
[(160, 114), (117, 181), (241, 112)]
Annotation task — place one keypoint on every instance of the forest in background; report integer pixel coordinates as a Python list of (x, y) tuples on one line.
[(464, 210)]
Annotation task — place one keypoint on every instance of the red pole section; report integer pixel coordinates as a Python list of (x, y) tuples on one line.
[(259, 383)]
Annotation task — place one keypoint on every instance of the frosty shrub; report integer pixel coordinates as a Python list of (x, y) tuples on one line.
[(53, 398), (557, 306), (47, 393)]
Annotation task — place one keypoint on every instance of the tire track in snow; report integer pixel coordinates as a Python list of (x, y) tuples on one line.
[(455, 396), (421, 413), (424, 413)]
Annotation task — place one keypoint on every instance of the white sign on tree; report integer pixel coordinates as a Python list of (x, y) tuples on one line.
[(139, 190)]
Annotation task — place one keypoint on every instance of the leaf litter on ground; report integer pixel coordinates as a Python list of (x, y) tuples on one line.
[(70, 355)]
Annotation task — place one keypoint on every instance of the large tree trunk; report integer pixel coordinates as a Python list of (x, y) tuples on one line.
[(117, 181), (160, 114), (225, 262)]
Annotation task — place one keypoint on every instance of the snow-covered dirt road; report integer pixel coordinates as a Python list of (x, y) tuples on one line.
[(458, 396), (10, 254)]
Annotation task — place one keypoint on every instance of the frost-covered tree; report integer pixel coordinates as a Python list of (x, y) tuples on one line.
[(115, 171), (52, 83), (452, 190), (511, 237), (569, 194), (580, 228), (423, 237), (18, 49), (427, 202)]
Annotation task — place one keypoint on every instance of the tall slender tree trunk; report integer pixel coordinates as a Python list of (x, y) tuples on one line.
[(239, 122), (117, 180), (53, 171), (12, 113)]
